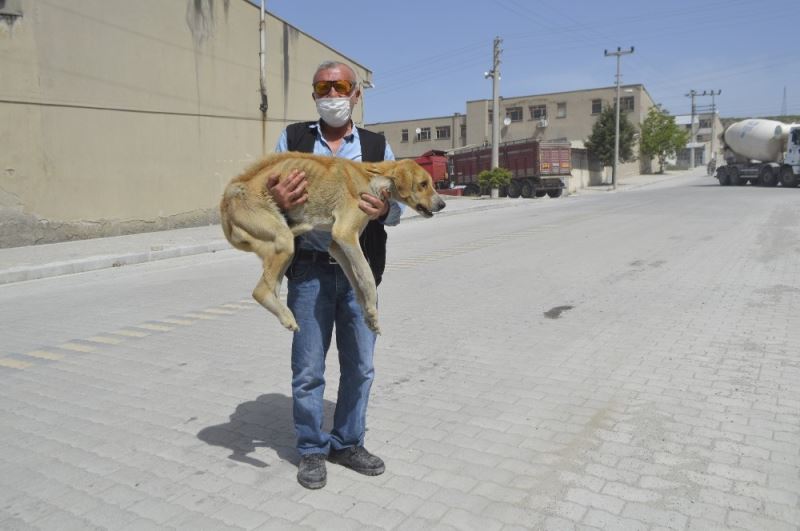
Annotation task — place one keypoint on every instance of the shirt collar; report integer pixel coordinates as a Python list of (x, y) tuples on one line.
[(352, 137)]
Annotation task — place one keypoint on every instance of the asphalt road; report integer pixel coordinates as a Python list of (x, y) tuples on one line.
[(606, 361)]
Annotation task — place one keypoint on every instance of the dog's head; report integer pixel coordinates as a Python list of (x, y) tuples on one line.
[(412, 185)]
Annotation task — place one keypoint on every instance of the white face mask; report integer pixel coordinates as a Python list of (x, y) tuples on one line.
[(334, 111)]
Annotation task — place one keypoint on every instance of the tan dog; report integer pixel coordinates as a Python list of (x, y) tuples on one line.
[(253, 222)]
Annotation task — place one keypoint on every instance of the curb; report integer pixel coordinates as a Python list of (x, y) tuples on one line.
[(93, 263)]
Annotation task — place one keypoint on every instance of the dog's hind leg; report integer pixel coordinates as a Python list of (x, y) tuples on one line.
[(347, 251), (276, 257)]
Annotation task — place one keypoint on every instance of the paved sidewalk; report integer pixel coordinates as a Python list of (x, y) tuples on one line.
[(41, 261)]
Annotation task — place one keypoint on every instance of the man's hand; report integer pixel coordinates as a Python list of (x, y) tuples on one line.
[(290, 192), (375, 207)]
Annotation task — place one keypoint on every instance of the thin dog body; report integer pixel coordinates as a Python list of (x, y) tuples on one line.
[(253, 222)]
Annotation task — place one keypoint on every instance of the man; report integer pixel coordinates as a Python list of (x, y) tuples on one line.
[(320, 295)]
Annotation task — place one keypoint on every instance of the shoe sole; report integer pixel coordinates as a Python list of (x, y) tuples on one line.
[(313, 485), (364, 471)]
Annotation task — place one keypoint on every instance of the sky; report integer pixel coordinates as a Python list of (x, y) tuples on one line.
[(428, 58)]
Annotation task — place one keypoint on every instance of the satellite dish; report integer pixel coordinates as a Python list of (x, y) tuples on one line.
[(418, 130), (507, 121)]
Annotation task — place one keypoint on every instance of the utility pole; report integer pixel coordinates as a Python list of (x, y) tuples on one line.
[(692, 136), (494, 73), (713, 93), (692, 94), (620, 52)]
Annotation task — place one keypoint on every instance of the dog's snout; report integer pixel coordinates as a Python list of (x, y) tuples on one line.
[(439, 204)]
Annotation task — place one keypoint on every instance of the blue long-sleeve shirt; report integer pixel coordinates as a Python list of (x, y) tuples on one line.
[(350, 149)]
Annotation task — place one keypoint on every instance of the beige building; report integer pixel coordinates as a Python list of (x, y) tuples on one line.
[(565, 116), (120, 116), (706, 144)]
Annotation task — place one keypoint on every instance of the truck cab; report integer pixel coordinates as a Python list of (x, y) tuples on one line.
[(793, 147)]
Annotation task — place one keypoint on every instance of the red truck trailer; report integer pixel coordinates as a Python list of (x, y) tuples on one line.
[(435, 163), (536, 167)]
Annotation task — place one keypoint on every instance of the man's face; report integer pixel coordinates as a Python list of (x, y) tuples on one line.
[(337, 73)]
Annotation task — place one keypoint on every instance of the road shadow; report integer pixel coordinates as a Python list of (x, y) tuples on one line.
[(265, 422)]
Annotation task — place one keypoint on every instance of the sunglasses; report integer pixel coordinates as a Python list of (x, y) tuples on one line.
[(342, 86)]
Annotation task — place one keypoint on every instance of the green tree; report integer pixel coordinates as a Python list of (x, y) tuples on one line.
[(601, 142), (661, 136), (494, 178)]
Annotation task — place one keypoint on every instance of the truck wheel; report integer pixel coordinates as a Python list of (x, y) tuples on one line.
[(555, 193), (540, 193), (472, 190), (513, 189), (722, 176), (788, 178), (767, 177), (733, 176), (527, 189)]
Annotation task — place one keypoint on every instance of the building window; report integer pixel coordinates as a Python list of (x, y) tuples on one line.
[(515, 113), (404, 135), (561, 111), (626, 103), (597, 106), (443, 132), (463, 132), (705, 123), (490, 115), (538, 112), (424, 134)]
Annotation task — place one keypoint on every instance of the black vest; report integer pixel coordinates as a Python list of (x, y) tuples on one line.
[(301, 137)]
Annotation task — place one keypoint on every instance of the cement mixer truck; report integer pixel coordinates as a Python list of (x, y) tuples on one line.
[(763, 152)]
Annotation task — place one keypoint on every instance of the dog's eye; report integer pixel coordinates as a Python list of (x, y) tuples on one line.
[(423, 184)]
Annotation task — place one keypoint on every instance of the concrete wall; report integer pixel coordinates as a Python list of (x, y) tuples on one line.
[(119, 116)]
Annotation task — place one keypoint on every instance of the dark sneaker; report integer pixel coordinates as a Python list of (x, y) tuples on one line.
[(359, 459), (311, 471)]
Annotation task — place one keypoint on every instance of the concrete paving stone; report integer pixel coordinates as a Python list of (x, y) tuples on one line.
[(643, 467), (461, 519), (458, 499), (769, 467), (551, 523), (730, 501), (706, 480), (646, 513), (156, 510), (581, 480), (499, 493), (571, 511), (696, 509), (452, 480), (481, 472), (611, 473), (195, 520), (591, 499), (15, 524), (755, 523), (109, 516), (603, 520), (784, 513), (375, 515), (323, 520), (237, 515), (626, 492), (788, 447), (655, 483)]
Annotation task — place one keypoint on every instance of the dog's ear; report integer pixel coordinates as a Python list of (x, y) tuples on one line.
[(385, 168)]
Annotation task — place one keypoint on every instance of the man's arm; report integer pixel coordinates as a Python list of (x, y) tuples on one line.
[(291, 191)]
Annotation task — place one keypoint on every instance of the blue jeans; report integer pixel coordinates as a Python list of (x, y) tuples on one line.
[(320, 296)]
